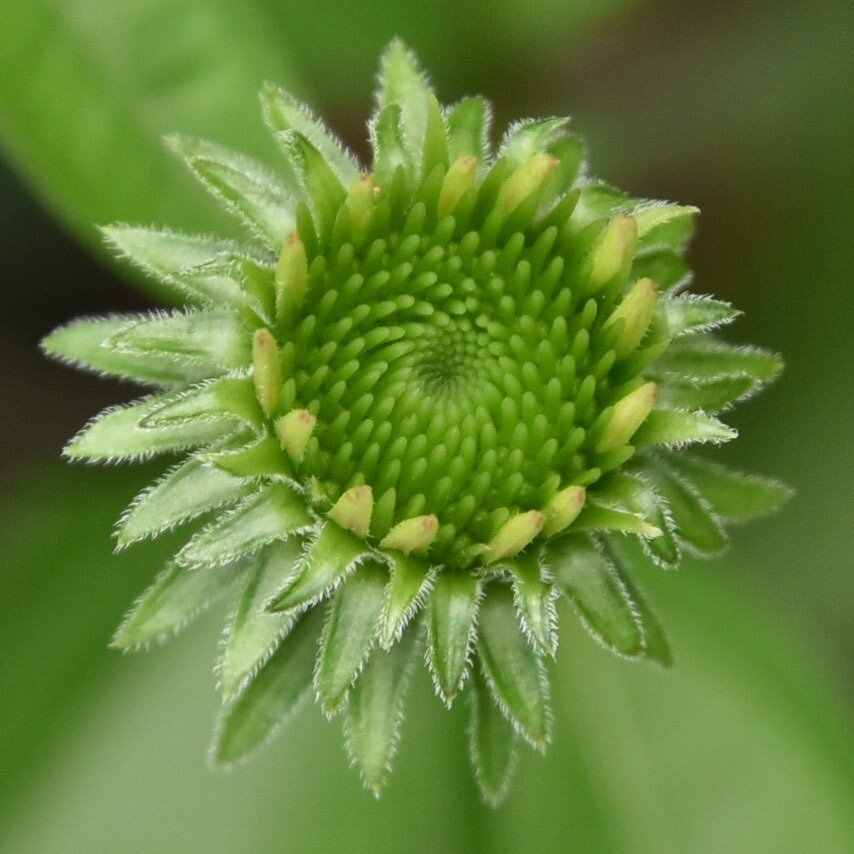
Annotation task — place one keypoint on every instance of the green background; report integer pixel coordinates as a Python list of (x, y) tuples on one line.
[(746, 746)]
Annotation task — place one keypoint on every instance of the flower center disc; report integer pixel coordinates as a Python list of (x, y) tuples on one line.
[(448, 378)]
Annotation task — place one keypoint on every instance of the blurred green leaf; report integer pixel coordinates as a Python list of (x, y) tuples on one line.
[(90, 88)]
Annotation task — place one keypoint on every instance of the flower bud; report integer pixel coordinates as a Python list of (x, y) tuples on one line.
[(458, 180), (360, 206), (412, 535), (266, 370), (530, 177), (629, 413), (514, 535), (291, 275), (636, 312), (294, 430), (353, 510), (563, 508), (612, 254)]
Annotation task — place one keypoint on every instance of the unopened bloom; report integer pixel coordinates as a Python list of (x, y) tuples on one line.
[(418, 407)]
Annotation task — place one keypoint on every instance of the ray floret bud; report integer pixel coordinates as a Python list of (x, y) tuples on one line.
[(563, 509), (412, 535), (431, 404), (294, 429)]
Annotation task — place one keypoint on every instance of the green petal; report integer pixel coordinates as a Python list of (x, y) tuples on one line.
[(711, 395), (666, 268), (650, 217), (592, 584), (634, 494), (349, 633), (283, 112), (703, 357), (235, 280), (327, 561), (273, 513), (451, 630), (163, 253), (214, 340), (695, 523), (225, 398), (514, 672), (389, 146), (182, 494), (375, 710), (535, 601), (493, 744), (595, 517), (731, 494), (253, 633), (526, 138), (249, 190), (255, 717), (82, 344), (177, 596), (324, 188), (469, 122), (677, 427), (401, 81), (262, 458), (410, 583), (692, 313), (116, 434), (630, 560)]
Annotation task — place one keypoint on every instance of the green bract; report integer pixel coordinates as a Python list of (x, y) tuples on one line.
[(418, 407)]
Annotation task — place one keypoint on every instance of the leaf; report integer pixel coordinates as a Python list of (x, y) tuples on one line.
[(666, 268), (692, 313), (526, 138), (116, 435), (283, 112), (675, 427), (247, 188), (349, 633), (514, 673), (535, 601), (177, 596), (594, 587), (375, 710), (226, 398), (326, 562), (469, 123), (81, 343), (254, 718), (214, 340), (185, 492), (451, 630), (629, 560), (273, 513), (493, 744), (731, 494), (253, 633), (115, 78), (695, 524), (409, 586), (402, 82)]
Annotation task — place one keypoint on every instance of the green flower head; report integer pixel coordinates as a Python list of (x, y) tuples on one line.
[(420, 407)]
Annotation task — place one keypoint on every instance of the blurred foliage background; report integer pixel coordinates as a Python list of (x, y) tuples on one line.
[(741, 108)]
